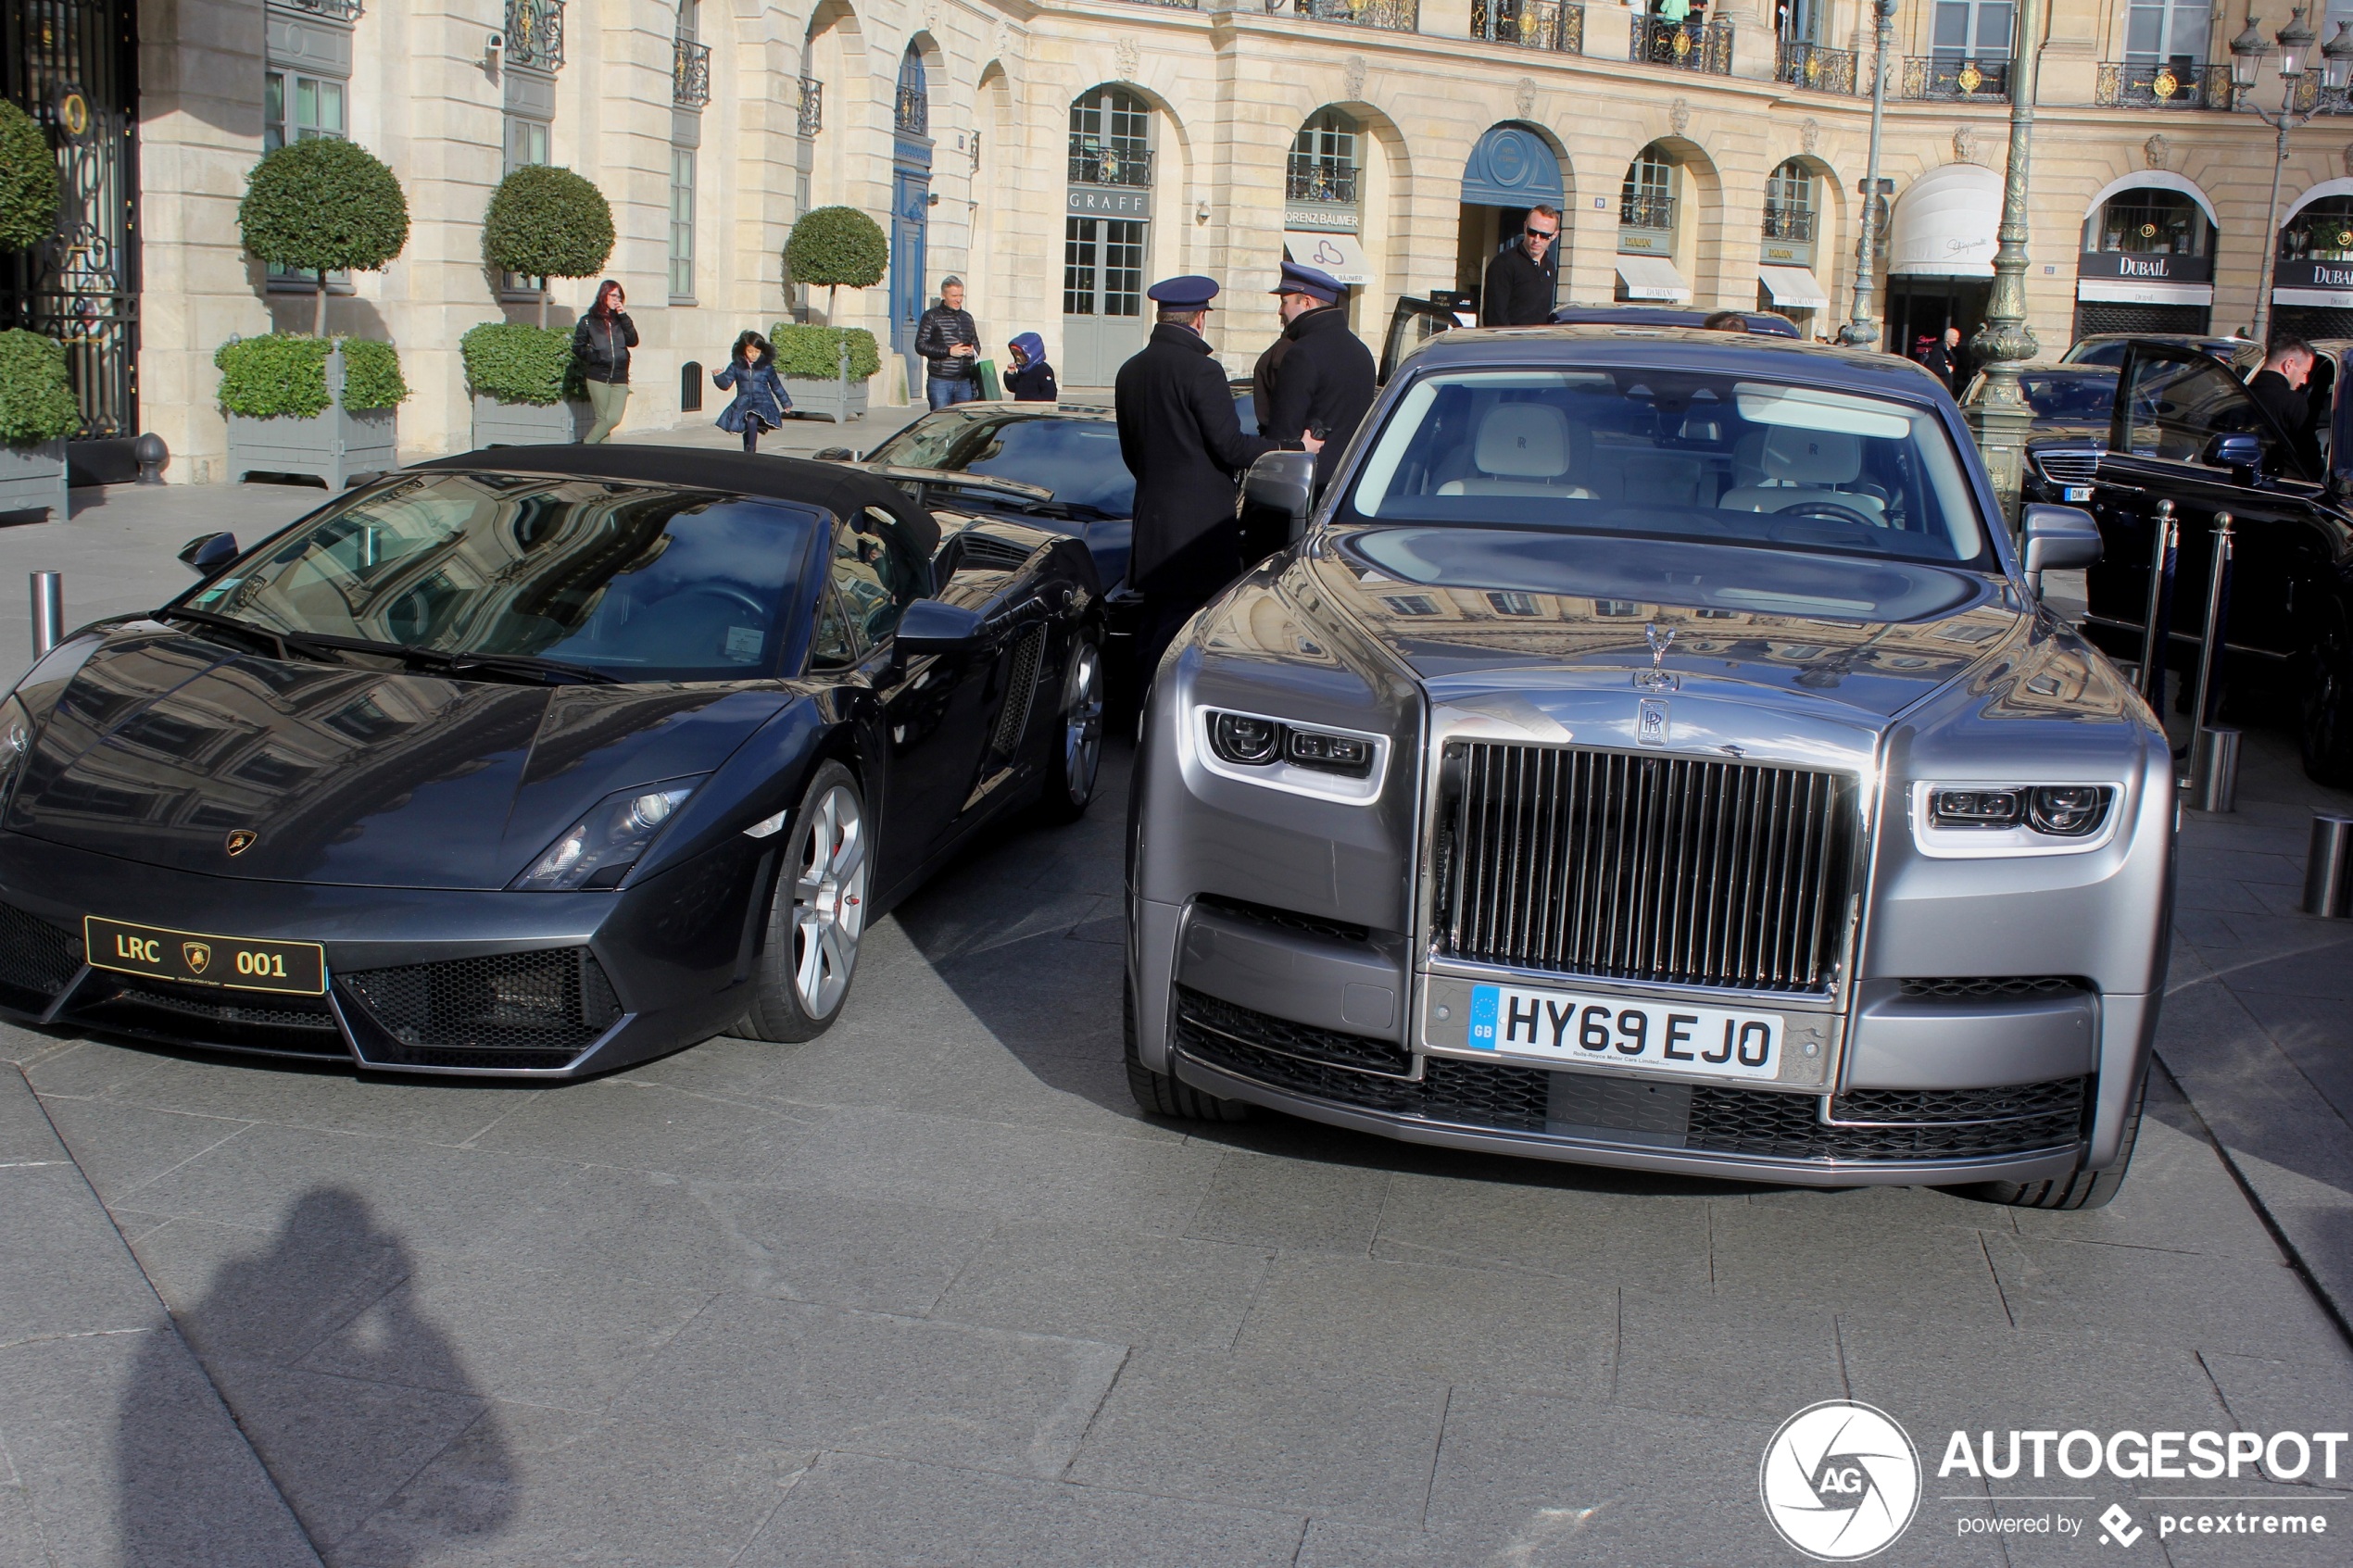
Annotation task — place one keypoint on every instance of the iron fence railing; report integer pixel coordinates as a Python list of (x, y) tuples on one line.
[(1320, 180), (535, 34), (1388, 16), (1967, 81), (1531, 24), (1703, 47), (1810, 65), (1788, 222), (812, 106), (690, 74), (1646, 213), (2314, 97), (2162, 86), (1094, 162)]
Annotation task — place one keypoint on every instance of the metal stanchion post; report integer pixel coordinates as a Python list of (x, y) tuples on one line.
[(2328, 867), (48, 611), (2157, 623), (2209, 646), (2215, 765)]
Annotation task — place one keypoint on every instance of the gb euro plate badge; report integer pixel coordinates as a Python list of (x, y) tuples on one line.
[(1564, 1027)]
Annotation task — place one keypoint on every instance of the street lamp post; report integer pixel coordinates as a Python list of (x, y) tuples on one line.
[(1862, 332), (2246, 63), (1999, 414)]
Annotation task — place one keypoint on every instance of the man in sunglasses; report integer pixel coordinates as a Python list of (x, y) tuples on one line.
[(1518, 292)]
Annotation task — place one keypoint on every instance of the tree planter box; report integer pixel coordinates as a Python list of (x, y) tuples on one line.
[(529, 425), (815, 398), (34, 476), (332, 445)]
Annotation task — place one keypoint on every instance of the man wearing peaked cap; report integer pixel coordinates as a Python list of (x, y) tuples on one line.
[(1317, 377), (1185, 444)]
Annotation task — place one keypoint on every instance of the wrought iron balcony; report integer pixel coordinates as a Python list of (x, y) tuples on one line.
[(1531, 24), (1810, 65), (1964, 81), (812, 106), (1171, 5), (341, 11), (1646, 213), (690, 74), (535, 34), (1320, 180), (2162, 86), (912, 115), (2314, 97), (1685, 45), (1121, 163), (1788, 222), (1390, 15)]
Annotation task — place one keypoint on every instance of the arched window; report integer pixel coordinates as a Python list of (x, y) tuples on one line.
[(1323, 159), (1648, 199), (1788, 203), (2322, 232), (1111, 138), (2148, 221), (914, 114)]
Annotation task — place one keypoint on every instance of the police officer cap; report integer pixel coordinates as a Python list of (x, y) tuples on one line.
[(1313, 282), (1192, 292)]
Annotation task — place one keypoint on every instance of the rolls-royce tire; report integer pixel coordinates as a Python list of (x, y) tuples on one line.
[(2084, 1189), (1078, 734), (815, 916), (1164, 1094), (2327, 728)]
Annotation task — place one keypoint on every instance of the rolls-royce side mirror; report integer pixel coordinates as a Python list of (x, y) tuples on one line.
[(208, 553), (934, 626), (2060, 539), (1284, 483), (2236, 450)]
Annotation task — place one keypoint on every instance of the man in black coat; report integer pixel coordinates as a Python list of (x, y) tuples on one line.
[(949, 345), (1320, 374), (1943, 359), (1185, 444), (2279, 386), (1518, 290)]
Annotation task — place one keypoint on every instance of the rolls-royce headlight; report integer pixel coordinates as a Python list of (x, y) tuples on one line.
[(1306, 759), (1974, 820)]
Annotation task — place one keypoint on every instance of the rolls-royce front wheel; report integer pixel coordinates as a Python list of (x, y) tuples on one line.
[(1164, 1094), (2084, 1189)]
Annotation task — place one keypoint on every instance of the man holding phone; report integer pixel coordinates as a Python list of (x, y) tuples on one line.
[(1518, 291)]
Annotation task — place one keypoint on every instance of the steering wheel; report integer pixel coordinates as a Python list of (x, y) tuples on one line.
[(1830, 511), (737, 597)]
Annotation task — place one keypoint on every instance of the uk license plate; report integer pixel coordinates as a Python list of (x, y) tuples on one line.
[(235, 963), (1565, 1026)]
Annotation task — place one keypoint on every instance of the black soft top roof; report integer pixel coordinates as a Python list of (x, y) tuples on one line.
[(845, 492)]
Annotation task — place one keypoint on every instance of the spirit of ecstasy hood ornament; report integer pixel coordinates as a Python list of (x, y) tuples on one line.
[(1656, 679)]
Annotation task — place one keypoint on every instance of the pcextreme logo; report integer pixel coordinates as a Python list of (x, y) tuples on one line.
[(1840, 1481)]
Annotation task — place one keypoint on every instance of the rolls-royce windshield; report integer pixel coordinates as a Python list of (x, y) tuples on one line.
[(1717, 457)]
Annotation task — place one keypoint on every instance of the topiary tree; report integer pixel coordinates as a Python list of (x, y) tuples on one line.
[(839, 247), (323, 205), (35, 402), (27, 180), (545, 222)]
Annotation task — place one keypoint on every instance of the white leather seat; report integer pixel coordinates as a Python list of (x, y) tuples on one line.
[(1799, 466), (1522, 450)]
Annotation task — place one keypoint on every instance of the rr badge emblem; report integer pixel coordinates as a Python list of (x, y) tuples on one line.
[(1649, 724), (197, 954), (241, 840)]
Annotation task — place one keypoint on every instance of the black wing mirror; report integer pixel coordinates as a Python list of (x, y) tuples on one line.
[(2062, 538), (2240, 451), (1282, 483), (208, 553), (934, 626)]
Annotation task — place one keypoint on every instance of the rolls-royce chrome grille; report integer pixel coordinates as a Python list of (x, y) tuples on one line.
[(1677, 870)]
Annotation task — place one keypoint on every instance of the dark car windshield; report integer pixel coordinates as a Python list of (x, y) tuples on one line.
[(1076, 458), (1711, 457), (2076, 397), (636, 582)]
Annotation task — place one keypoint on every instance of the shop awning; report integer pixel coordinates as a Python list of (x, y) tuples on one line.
[(1795, 286), (2327, 299), (1338, 253), (2124, 291), (1946, 224), (1651, 277)]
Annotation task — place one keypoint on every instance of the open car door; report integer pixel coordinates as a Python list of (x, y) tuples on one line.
[(1414, 323)]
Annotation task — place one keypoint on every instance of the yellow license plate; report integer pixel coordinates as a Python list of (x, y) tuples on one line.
[(235, 963)]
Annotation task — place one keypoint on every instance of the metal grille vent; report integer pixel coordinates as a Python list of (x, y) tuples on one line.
[(1020, 688), (1248, 1027), (554, 1002), (207, 1015), (985, 552), (1995, 988), (1677, 870), (2068, 467), (35, 956)]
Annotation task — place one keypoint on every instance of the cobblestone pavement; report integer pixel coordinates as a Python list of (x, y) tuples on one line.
[(929, 1290)]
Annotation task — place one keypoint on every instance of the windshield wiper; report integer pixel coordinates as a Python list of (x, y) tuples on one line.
[(458, 662), (285, 644)]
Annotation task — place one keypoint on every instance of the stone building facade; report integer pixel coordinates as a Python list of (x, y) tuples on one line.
[(1060, 153)]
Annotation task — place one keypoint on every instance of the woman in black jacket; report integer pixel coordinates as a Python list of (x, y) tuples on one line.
[(601, 346)]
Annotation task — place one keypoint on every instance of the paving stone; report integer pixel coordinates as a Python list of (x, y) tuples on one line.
[(24, 1047), (1251, 1433), (1871, 1206), (2240, 1305), (2178, 1197), (1937, 1379), (334, 1097), (1565, 1536), (274, 1295), (1444, 1324), (85, 1069), (1852, 1262), (1653, 1242), (63, 1269), (1698, 1356), (851, 1512), (641, 1126), (1260, 1200), (1109, 1287), (2310, 1395), (796, 1375), (122, 1147), (26, 1136), (2315, 1035), (539, 1487)]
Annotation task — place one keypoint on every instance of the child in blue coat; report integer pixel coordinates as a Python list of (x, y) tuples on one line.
[(761, 399), (1031, 380)]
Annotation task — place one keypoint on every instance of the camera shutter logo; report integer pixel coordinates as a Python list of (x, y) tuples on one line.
[(1840, 1481)]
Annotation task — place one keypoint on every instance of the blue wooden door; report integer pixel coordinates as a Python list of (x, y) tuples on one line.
[(909, 216)]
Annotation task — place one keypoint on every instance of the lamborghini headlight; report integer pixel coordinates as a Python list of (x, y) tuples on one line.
[(16, 739), (599, 850)]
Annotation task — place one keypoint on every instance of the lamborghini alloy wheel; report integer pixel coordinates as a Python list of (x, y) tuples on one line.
[(817, 915), (1081, 746)]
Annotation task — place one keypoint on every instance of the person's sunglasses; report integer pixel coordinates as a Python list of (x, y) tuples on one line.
[(1542, 234)]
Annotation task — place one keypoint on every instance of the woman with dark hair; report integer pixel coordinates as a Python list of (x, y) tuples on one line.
[(761, 399), (601, 346)]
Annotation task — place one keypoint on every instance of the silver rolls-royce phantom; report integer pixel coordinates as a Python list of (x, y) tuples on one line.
[(1653, 752)]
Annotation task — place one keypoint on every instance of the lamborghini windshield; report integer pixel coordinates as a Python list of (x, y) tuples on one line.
[(1077, 459), (1683, 453), (629, 582)]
